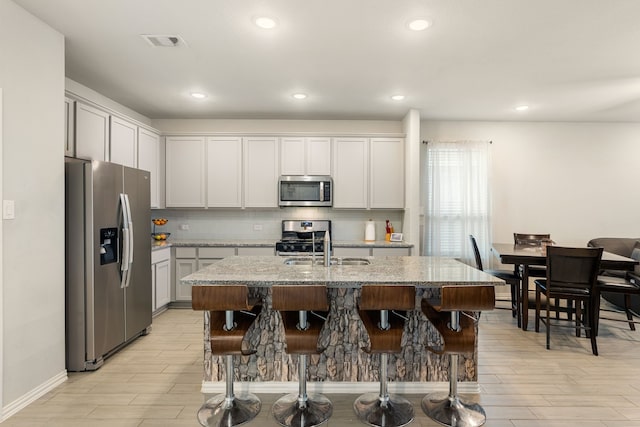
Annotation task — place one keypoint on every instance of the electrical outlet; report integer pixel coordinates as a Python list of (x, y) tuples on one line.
[(184, 227), (257, 227), (8, 209)]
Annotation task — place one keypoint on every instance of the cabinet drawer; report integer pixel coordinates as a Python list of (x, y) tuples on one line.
[(216, 252), (355, 252), (391, 251), (253, 251), (186, 252), (160, 255)]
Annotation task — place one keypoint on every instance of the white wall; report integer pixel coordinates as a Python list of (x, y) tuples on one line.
[(576, 181), (331, 127), (32, 78)]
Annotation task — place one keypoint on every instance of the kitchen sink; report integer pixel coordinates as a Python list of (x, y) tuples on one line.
[(320, 261)]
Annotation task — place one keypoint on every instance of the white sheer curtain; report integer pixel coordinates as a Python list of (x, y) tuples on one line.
[(457, 199)]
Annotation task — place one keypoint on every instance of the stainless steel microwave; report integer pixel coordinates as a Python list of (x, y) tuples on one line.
[(305, 190)]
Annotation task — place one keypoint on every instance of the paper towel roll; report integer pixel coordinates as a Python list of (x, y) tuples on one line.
[(370, 231)]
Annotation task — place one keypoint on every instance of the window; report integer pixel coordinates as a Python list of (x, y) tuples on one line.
[(457, 199)]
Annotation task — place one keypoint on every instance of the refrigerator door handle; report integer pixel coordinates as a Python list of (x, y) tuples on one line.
[(124, 259), (129, 258)]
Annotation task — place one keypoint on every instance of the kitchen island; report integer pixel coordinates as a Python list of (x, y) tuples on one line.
[(342, 363)]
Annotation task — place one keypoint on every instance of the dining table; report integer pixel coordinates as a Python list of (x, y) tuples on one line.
[(529, 255)]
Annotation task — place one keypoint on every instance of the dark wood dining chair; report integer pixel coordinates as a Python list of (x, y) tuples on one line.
[(510, 277), (625, 286), (530, 240), (572, 275)]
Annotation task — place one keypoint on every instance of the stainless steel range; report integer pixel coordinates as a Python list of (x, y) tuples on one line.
[(301, 237)]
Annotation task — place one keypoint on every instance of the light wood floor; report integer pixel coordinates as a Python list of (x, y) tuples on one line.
[(156, 381)]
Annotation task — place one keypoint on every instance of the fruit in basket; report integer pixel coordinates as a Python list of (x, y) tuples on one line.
[(160, 221), (160, 236)]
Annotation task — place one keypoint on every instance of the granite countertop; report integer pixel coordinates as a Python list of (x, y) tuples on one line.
[(272, 243), (261, 271)]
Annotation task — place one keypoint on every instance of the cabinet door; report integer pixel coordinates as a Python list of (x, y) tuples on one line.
[(184, 267), (69, 130), (149, 160), (185, 172), (162, 283), (318, 157), (224, 172), (124, 142), (261, 172), (92, 133), (350, 172), (292, 156), (153, 288), (386, 178)]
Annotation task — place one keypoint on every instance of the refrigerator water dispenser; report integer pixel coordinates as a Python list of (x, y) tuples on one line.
[(108, 245)]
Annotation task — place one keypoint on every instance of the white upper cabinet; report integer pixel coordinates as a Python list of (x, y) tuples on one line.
[(69, 128), (149, 160), (386, 170), (92, 133), (318, 156), (224, 172), (350, 172), (124, 142), (185, 172), (292, 156), (261, 172), (305, 156), (368, 173)]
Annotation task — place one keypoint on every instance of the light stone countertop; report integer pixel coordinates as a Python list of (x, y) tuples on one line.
[(265, 271)]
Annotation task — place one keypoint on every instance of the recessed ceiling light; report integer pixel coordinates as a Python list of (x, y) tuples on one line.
[(522, 108), (198, 95), (299, 95), (265, 22), (419, 24), (397, 97)]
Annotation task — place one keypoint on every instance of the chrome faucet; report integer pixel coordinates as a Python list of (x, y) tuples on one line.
[(327, 249)]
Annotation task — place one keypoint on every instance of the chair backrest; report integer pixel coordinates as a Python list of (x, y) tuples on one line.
[(523, 239), (299, 297), (476, 252), (220, 298), (387, 297), (467, 298), (573, 267)]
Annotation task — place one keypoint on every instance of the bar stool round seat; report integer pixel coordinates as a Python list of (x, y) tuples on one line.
[(231, 314), (384, 326), (303, 309), (459, 334)]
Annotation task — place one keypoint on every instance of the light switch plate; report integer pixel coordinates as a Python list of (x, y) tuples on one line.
[(8, 209)]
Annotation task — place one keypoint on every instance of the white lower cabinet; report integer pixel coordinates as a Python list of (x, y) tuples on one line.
[(191, 259), (161, 278), (358, 251)]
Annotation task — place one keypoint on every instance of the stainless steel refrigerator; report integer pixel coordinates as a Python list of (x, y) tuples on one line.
[(108, 260)]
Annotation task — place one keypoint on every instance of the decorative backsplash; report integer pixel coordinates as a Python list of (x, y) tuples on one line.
[(241, 224)]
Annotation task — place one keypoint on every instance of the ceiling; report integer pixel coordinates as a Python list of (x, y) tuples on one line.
[(569, 60)]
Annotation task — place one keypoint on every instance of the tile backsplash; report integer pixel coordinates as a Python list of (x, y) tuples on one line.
[(261, 224)]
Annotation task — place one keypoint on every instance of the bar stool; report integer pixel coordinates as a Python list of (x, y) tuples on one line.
[(231, 315), (384, 326), (458, 333), (297, 305)]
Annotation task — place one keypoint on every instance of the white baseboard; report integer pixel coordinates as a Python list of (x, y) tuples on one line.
[(33, 395), (342, 387)]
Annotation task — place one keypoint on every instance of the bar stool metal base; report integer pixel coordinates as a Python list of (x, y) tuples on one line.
[(449, 411), (290, 412), (374, 411), (220, 411)]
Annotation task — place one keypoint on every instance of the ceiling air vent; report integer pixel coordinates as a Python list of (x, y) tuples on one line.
[(164, 40)]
